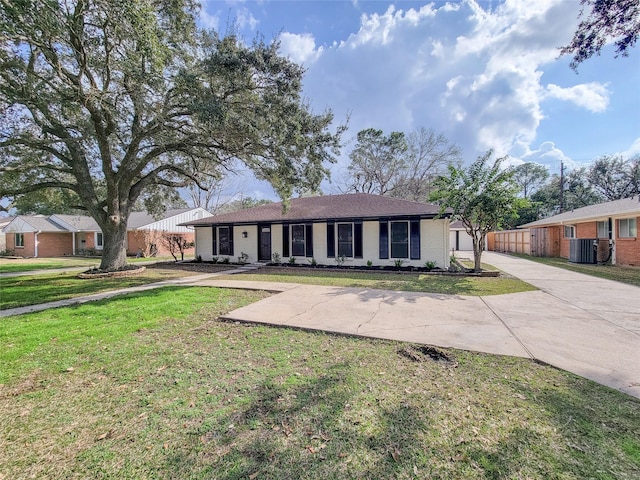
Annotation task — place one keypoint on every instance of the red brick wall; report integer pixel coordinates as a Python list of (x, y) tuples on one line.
[(55, 244), (49, 244), (627, 249), (140, 240)]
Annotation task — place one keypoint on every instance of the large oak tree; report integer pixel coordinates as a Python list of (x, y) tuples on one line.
[(114, 100)]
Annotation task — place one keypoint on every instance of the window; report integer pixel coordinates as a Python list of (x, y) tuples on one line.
[(569, 231), (399, 239), (20, 240), (628, 228), (345, 239), (225, 245), (603, 229), (297, 240), (99, 240)]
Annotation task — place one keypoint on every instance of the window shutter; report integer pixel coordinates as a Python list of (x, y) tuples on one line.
[(331, 240), (384, 239), (414, 239), (232, 253), (357, 240), (285, 240), (214, 249), (308, 238)]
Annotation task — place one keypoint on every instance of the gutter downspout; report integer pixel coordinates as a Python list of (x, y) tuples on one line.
[(35, 244)]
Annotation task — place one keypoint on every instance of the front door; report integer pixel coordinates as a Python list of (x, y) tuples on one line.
[(264, 242)]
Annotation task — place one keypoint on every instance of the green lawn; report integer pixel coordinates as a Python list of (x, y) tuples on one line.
[(630, 275), (152, 386), (50, 287), (11, 265), (409, 282)]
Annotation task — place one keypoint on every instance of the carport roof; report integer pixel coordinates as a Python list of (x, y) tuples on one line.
[(328, 207)]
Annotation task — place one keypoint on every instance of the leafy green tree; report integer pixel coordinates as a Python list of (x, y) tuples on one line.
[(576, 193), (530, 176), (614, 178), (481, 195), (617, 20), (116, 100)]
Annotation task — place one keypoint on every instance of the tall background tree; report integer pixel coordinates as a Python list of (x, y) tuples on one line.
[(481, 195), (116, 100), (614, 178), (607, 20), (398, 165)]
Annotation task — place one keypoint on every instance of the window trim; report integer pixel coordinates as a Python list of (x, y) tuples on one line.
[(408, 241), (628, 233), (99, 245), (229, 242), (573, 231), (605, 224), (303, 243), (352, 242), (18, 243)]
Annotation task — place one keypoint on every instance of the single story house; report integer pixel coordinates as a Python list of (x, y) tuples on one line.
[(60, 235), (353, 229), (612, 226)]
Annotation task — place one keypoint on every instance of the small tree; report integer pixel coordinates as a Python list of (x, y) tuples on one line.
[(176, 243), (481, 196)]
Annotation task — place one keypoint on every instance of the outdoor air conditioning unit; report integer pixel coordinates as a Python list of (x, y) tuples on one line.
[(581, 250)]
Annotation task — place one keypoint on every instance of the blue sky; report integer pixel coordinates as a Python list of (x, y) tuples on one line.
[(486, 74)]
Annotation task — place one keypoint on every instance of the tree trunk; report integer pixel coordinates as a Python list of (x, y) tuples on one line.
[(478, 247), (114, 254)]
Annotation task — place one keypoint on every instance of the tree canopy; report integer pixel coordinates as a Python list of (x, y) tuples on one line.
[(117, 100), (617, 20), (481, 195)]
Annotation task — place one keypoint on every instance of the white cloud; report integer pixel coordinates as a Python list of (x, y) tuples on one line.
[(593, 96), (246, 19), (300, 48), (547, 154), (209, 21), (633, 150), (469, 70)]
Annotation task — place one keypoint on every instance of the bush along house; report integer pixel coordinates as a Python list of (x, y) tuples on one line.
[(357, 229)]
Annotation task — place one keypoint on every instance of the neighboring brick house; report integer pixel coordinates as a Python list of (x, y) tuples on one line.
[(60, 235), (613, 224), (353, 229)]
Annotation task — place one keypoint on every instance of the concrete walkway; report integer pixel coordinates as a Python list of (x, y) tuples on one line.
[(582, 324)]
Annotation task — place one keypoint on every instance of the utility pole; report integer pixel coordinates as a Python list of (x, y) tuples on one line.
[(561, 187)]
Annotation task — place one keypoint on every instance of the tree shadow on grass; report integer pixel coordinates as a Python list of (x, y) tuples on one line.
[(316, 428)]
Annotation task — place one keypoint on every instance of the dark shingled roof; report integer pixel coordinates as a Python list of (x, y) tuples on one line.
[(353, 205)]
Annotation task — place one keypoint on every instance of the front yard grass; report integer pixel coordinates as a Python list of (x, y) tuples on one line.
[(408, 282), (152, 385), (630, 275), (50, 287), (14, 265)]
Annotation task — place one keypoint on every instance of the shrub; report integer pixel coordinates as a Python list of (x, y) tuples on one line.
[(225, 260), (214, 259), (398, 262), (292, 260), (369, 263), (243, 258), (275, 258), (313, 262), (430, 265), (340, 260)]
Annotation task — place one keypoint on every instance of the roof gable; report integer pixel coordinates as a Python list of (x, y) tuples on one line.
[(33, 223), (328, 207)]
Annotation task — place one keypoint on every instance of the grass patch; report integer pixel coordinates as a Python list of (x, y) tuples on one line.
[(15, 265), (407, 282), (34, 289), (619, 273), (152, 386)]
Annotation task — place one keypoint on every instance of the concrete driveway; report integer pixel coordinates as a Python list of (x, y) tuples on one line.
[(582, 324)]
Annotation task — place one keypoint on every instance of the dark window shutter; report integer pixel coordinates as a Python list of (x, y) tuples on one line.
[(231, 252), (414, 239), (331, 240), (357, 240), (214, 236), (308, 237), (285, 240), (384, 239)]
